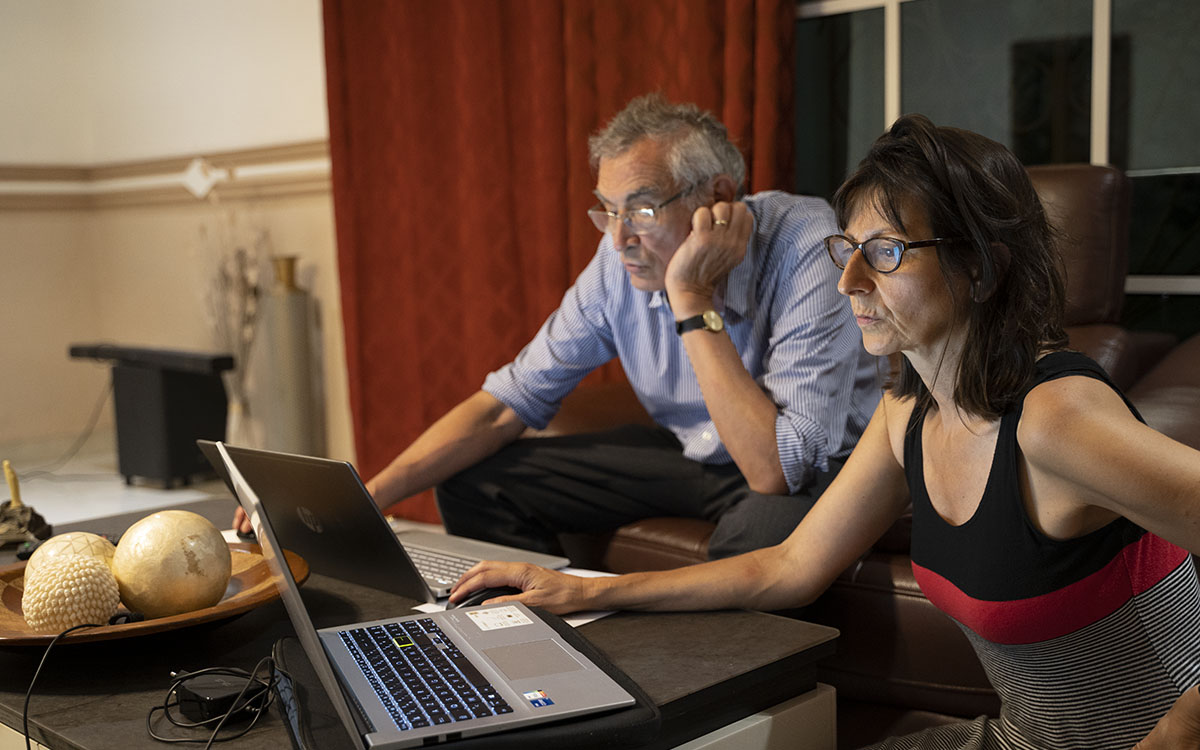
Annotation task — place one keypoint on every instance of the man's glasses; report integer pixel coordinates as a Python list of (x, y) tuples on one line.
[(640, 220), (881, 253)]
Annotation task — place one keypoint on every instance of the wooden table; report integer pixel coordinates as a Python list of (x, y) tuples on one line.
[(704, 670)]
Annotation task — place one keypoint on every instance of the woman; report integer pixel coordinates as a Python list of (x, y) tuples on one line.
[(1048, 520)]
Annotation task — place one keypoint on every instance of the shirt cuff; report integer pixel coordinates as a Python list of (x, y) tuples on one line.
[(802, 450), (503, 386)]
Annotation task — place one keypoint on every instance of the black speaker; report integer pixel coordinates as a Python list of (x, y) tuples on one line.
[(164, 401)]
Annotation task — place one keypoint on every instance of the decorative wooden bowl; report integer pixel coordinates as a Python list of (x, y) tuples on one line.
[(250, 585)]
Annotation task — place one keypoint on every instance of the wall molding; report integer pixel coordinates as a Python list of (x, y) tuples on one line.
[(245, 174)]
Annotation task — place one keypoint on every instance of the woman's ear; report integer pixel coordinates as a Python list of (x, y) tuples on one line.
[(1001, 257), (985, 281)]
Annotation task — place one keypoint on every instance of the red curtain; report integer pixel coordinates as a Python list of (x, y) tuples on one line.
[(458, 136)]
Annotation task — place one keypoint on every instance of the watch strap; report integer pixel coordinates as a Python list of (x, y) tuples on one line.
[(709, 320)]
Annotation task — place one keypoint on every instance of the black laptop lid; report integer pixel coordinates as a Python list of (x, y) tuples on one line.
[(320, 510)]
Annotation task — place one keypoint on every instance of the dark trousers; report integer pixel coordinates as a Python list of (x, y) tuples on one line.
[(531, 490)]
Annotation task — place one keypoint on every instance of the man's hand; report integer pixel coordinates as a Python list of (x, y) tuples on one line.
[(715, 246), (550, 590), (241, 522)]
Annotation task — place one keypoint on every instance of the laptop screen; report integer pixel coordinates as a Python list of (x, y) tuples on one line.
[(290, 594)]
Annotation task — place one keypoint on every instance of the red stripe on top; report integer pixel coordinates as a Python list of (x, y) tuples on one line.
[(1136, 569)]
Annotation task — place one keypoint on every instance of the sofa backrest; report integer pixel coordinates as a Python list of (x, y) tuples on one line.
[(1089, 206)]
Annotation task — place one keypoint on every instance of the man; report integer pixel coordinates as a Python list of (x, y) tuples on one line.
[(725, 315)]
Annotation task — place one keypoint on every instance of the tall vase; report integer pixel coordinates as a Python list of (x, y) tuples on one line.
[(239, 428), (288, 398)]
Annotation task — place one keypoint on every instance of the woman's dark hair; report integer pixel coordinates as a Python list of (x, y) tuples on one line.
[(973, 188)]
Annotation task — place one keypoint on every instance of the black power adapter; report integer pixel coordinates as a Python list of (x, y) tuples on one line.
[(208, 696)]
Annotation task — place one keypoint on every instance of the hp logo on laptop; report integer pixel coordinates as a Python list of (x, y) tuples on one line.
[(309, 519)]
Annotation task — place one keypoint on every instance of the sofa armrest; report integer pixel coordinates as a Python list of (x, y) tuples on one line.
[(648, 544), (1169, 395), (1125, 355)]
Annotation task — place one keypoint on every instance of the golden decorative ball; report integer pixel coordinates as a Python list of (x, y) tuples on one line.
[(171, 562), (71, 543)]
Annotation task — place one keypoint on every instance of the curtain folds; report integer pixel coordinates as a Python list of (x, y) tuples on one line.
[(458, 137)]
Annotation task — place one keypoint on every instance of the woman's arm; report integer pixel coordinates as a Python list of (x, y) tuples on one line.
[(1179, 729), (1081, 441), (868, 494)]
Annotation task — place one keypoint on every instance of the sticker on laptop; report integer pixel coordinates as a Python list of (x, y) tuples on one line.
[(538, 698), (495, 618)]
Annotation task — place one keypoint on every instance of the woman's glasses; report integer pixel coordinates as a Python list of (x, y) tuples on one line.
[(881, 253)]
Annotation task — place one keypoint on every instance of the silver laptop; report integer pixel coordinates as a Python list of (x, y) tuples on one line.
[(425, 678), (331, 490)]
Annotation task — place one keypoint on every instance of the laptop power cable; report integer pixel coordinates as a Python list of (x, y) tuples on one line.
[(209, 699)]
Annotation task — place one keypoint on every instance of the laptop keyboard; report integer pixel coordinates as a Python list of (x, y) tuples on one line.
[(439, 567), (421, 677)]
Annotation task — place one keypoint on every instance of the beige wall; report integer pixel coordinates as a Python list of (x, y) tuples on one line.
[(106, 90), (89, 82), (138, 275), (47, 300)]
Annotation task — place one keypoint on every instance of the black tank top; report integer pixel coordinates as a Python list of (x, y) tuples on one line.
[(1087, 640)]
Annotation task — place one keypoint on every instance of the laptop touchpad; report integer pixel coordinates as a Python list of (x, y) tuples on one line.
[(533, 659)]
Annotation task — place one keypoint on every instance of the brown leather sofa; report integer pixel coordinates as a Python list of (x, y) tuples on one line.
[(902, 664)]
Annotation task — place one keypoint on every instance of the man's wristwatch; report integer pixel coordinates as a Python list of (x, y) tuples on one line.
[(709, 320)]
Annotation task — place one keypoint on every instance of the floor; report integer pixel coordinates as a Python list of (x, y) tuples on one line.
[(87, 485)]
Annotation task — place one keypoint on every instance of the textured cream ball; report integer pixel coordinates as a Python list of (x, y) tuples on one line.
[(69, 590), (71, 543), (171, 562)]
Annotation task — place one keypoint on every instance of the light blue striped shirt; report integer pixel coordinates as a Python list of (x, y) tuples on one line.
[(793, 331)]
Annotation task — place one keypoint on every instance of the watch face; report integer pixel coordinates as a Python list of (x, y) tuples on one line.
[(713, 321)]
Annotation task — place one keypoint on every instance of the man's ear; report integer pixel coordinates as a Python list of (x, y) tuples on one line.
[(724, 189)]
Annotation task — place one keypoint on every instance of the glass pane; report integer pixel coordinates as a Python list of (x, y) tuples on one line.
[(1161, 104), (1178, 314), (1164, 228), (1160, 107), (839, 96), (1017, 71), (1164, 240)]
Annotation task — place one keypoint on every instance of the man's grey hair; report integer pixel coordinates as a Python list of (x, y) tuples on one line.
[(699, 143)]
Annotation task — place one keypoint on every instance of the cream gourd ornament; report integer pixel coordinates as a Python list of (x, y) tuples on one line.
[(69, 590), (71, 543), (171, 562)]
